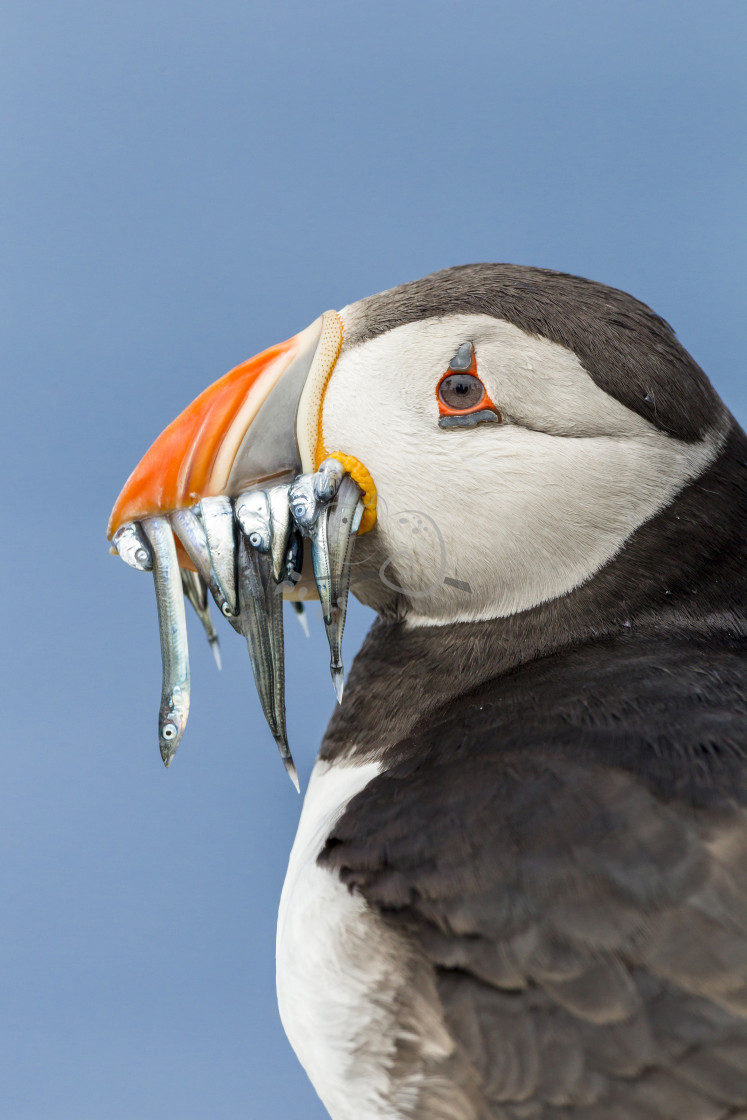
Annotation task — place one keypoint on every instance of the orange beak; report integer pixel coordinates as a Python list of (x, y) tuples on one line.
[(260, 422)]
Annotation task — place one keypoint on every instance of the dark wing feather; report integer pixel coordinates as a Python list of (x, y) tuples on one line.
[(577, 878)]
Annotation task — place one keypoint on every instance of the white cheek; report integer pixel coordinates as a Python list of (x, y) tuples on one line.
[(489, 521), (494, 532), (543, 513)]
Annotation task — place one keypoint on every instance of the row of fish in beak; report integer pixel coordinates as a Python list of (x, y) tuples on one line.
[(246, 552)]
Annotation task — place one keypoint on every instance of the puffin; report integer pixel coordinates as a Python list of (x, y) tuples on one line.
[(518, 890)]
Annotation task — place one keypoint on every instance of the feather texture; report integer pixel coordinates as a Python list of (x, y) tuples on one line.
[(586, 928)]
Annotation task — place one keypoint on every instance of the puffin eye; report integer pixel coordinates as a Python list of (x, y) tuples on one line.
[(461, 391), (463, 401)]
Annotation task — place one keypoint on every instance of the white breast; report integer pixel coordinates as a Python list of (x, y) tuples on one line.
[(341, 972), (354, 996), (327, 960)]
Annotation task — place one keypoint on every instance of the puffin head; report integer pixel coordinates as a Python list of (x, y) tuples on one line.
[(508, 428), (519, 425)]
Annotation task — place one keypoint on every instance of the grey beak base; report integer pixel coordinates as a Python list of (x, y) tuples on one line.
[(269, 450)]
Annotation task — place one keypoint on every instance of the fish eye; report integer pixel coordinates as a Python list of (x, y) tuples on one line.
[(461, 391), (168, 731), (255, 539)]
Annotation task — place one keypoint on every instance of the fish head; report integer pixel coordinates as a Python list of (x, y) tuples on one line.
[(172, 722), (253, 515)]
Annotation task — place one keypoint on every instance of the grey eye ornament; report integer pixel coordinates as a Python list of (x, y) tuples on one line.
[(463, 401)]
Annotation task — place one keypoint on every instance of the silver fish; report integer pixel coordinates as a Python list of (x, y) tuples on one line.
[(327, 479), (292, 572), (217, 519), (303, 502), (293, 563), (261, 617), (321, 565), (196, 591), (255, 520), (189, 529), (172, 627), (333, 547), (133, 547), (281, 528)]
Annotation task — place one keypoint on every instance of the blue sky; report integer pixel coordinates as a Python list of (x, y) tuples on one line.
[(185, 184)]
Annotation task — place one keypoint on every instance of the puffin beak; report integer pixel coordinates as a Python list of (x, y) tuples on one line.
[(239, 432), (222, 478)]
